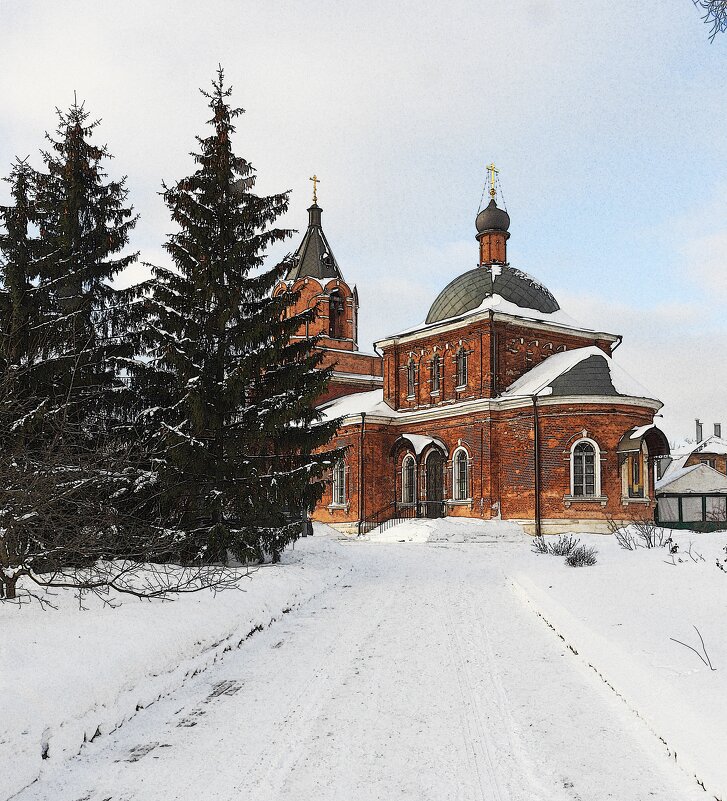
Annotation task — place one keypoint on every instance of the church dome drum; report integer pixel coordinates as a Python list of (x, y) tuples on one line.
[(468, 291)]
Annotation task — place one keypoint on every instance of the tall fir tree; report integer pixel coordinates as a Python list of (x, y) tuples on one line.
[(229, 392), (21, 303), (84, 224), (62, 341)]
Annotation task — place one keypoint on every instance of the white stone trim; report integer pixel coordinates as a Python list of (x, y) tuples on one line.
[(447, 409)]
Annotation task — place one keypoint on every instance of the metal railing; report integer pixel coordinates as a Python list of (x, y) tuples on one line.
[(396, 512)]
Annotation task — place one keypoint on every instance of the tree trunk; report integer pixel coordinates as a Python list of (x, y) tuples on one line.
[(8, 586)]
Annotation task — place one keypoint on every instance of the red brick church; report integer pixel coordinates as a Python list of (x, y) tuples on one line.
[(497, 405)]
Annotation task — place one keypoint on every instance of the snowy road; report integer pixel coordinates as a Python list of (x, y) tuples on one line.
[(423, 677)]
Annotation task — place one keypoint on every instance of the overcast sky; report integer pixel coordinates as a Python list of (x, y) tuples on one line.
[(607, 119)]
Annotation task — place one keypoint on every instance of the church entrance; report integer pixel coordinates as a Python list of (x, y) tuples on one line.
[(433, 505)]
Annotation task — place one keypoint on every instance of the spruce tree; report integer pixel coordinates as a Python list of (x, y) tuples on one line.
[(62, 349), (20, 301), (23, 314), (84, 223), (229, 392)]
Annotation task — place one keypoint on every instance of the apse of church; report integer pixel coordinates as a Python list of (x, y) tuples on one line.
[(498, 405)]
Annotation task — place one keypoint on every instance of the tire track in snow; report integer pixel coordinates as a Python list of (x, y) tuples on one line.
[(472, 718), (271, 774)]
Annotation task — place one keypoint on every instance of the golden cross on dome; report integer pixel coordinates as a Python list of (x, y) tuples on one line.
[(316, 180), (493, 171)]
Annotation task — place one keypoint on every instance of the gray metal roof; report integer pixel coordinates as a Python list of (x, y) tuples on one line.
[(589, 377), (314, 256), (468, 290)]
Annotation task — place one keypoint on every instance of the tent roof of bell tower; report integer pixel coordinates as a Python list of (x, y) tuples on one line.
[(314, 257)]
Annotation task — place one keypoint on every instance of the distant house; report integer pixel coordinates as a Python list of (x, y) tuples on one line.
[(712, 452), (692, 488)]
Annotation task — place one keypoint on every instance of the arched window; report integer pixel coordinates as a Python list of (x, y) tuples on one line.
[(408, 480), (411, 370), (462, 367), (436, 373), (336, 315), (460, 475), (585, 469), (339, 483)]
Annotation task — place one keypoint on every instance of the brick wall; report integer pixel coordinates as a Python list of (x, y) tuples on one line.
[(720, 461), (502, 467), (312, 295), (507, 349)]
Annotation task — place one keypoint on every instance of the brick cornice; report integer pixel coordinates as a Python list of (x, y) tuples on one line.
[(485, 316)]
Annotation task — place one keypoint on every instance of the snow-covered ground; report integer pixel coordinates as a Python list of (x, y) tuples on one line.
[(622, 617), (423, 670), (69, 675)]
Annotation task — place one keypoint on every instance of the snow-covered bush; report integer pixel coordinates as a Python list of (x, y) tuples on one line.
[(581, 556)]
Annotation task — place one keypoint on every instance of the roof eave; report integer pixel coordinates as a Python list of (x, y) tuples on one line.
[(474, 317)]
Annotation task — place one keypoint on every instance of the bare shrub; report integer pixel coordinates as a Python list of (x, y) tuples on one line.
[(638, 532), (702, 653), (561, 547), (582, 556), (564, 545)]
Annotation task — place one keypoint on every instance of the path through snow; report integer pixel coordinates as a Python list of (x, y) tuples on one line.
[(424, 678)]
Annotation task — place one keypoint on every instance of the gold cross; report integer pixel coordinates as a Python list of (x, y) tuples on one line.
[(316, 180), (493, 172)]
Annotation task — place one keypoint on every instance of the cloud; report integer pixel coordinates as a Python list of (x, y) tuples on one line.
[(602, 117), (673, 350)]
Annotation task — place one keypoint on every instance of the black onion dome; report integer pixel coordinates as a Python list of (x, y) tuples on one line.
[(470, 289), (492, 218)]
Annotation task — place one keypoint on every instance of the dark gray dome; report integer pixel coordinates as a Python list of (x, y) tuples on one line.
[(492, 218), (468, 290)]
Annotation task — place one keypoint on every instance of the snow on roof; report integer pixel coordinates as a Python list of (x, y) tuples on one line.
[(712, 444), (683, 447), (419, 442), (498, 304), (538, 380), (677, 463), (639, 431), (702, 478), (358, 376), (370, 402)]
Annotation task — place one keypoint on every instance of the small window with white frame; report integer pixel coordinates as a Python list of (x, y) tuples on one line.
[(585, 469), (460, 475)]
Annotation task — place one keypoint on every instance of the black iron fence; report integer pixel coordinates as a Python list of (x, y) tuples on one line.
[(396, 512)]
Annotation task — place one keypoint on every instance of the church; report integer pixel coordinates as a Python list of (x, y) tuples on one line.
[(498, 405)]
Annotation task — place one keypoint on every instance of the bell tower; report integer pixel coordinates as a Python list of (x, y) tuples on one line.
[(315, 275), (316, 278)]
